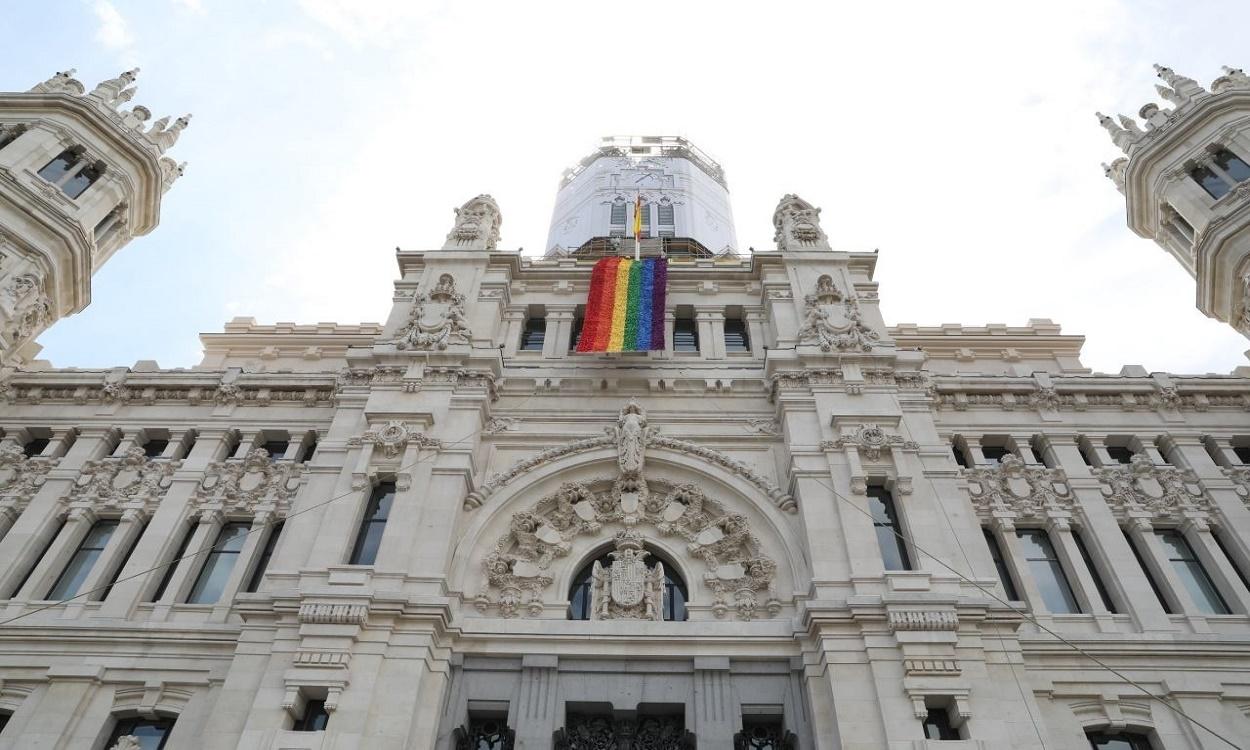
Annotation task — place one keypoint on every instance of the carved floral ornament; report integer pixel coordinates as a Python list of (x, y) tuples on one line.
[(21, 477), (1030, 492), (833, 320), (132, 477), (436, 320), (1240, 477), (871, 439), (1164, 492), (249, 484), (517, 572), (392, 438)]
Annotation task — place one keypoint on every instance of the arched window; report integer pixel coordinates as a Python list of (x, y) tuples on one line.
[(1118, 741), (675, 595)]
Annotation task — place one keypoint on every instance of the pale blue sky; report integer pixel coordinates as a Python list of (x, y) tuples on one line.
[(959, 139)]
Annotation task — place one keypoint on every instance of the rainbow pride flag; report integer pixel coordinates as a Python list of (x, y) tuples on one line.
[(625, 309)]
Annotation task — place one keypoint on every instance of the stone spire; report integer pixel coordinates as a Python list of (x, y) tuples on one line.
[(1233, 78), (1187, 89), (1119, 136)]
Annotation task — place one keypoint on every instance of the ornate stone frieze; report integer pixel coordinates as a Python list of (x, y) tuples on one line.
[(928, 620), (130, 478), (765, 426), (1165, 492), (1013, 487), (436, 320), (320, 613), (779, 497), (393, 438), (21, 477), (835, 324), (497, 425), (1240, 477), (871, 439), (249, 484), (477, 225), (477, 497), (588, 732)]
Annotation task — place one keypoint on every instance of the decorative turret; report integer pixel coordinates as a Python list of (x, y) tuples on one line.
[(1186, 182), (79, 177)]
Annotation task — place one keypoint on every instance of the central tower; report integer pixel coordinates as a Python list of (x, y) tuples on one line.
[(684, 197)]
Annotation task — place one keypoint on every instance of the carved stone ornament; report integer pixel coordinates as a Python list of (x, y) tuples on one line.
[(393, 438), (627, 589), (248, 484), (477, 225), (797, 225), (133, 477), (1165, 492), (127, 742), (1240, 477), (590, 732), (437, 319), (21, 477), (1031, 492), (227, 394), (835, 325), (871, 439)]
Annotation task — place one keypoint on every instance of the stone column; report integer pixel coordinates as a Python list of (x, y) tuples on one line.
[(559, 330), (77, 525), (1155, 556), (755, 320), (1084, 587), (184, 575), (710, 320), (119, 543), (243, 564), (537, 712), (715, 715), (1225, 579), (514, 320)]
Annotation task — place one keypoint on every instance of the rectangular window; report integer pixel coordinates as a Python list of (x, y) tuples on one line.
[(86, 177), (151, 733), (276, 448), (885, 522), (578, 321), (1189, 569), (172, 565), (54, 170), (1047, 571), (117, 573), (210, 584), (665, 214), (1150, 576), (315, 717), (1210, 182), (43, 554), (1000, 564), (937, 725), (365, 552), (1232, 164), (35, 447), (263, 563), (994, 454), (1120, 454), (309, 451), (618, 213), (961, 457), (685, 334), (1242, 452), (1232, 561), (154, 448), (1093, 573), (533, 334), (84, 559), (736, 335)]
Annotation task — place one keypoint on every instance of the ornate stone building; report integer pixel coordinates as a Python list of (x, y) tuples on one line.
[(796, 526)]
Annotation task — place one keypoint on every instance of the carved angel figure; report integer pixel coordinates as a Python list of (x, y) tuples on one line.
[(631, 434)]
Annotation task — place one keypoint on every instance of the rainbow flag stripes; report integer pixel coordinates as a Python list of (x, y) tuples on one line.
[(625, 309)]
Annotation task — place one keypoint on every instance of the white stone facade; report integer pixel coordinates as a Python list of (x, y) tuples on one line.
[(447, 498)]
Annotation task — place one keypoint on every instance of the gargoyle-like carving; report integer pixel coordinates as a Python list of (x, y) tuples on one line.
[(836, 326), (798, 225), (1166, 492), (393, 437), (627, 589), (1026, 491), (871, 438), (436, 320), (110, 482), (477, 226), (250, 483)]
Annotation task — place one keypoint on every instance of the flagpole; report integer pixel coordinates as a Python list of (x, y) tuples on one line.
[(638, 227)]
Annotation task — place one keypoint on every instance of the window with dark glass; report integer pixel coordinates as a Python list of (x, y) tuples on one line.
[(578, 321), (315, 717), (675, 597), (117, 572), (1145, 569), (1120, 454), (685, 334), (154, 448), (1118, 741), (961, 456), (210, 584), (1189, 569), (1242, 452), (56, 169), (665, 211), (365, 551), (1232, 164), (485, 731), (1218, 536), (266, 554), (35, 447), (1000, 564), (764, 733), (533, 334), (4, 718), (1215, 185), (1103, 593), (309, 450), (1086, 454), (47, 546), (937, 725), (172, 566), (152, 734), (618, 213), (885, 523), (276, 448), (1047, 571), (736, 335), (994, 453), (86, 177), (84, 559)]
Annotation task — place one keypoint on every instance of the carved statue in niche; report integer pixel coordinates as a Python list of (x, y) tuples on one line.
[(627, 589), (437, 319), (798, 224), (631, 434), (477, 225), (835, 326)]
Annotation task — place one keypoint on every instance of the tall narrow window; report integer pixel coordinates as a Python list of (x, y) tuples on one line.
[(885, 522), (151, 733), (56, 169), (263, 563), (736, 335), (117, 572), (210, 584), (1232, 561), (1120, 454), (1047, 571), (1189, 569), (1232, 164), (1215, 185), (84, 559), (665, 211), (365, 552), (961, 456), (1000, 564), (86, 177), (47, 546), (173, 563), (309, 451), (685, 334), (1150, 576), (579, 319), (1103, 593), (937, 725), (1118, 741), (4, 718), (35, 447), (533, 334), (315, 718), (618, 213)]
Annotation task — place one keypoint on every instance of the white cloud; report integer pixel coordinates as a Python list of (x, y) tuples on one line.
[(193, 6), (113, 31), (378, 22)]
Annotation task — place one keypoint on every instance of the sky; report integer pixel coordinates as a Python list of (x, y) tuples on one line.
[(958, 139)]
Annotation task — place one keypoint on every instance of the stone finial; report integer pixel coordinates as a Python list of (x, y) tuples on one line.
[(1233, 78), (1170, 96), (1131, 126), (108, 91), (61, 82), (1186, 88), (170, 172), (1119, 136), (1115, 172), (797, 225), (165, 137), (1153, 115), (477, 225)]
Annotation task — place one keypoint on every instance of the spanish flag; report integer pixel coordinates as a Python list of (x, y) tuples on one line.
[(638, 217)]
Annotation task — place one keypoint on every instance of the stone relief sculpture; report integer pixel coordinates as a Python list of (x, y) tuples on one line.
[(1165, 492), (21, 477), (516, 573), (110, 482), (477, 225), (835, 326), (627, 589), (393, 438), (437, 319), (797, 225), (26, 309), (248, 484), (1026, 491)]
